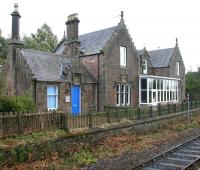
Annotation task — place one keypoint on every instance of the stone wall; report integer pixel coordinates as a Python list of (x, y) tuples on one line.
[(88, 96), (113, 72)]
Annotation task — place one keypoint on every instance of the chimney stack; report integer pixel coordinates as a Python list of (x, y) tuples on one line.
[(14, 46), (72, 43), (15, 23), (72, 27)]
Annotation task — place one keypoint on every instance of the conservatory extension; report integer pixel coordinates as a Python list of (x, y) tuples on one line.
[(156, 89)]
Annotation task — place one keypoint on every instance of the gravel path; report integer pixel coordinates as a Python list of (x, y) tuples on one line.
[(131, 158)]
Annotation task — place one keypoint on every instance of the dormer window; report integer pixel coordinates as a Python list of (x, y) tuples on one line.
[(177, 68), (123, 56), (144, 66)]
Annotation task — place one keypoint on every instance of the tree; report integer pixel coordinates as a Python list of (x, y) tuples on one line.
[(3, 50), (43, 40), (193, 83), (3, 56)]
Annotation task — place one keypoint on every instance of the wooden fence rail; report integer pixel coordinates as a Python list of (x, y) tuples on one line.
[(21, 123)]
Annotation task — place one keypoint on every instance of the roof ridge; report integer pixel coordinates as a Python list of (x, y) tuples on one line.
[(42, 52), (161, 49), (98, 30)]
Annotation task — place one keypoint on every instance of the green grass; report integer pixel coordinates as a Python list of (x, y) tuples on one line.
[(31, 138)]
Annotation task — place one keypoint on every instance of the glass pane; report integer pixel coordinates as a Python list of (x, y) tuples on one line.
[(154, 96), (154, 84), (53, 101), (167, 95), (150, 96), (122, 56), (150, 83), (123, 88), (51, 90), (49, 102), (158, 84), (158, 96), (128, 94), (122, 99), (161, 84), (144, 96), (144, 84), (118, 88), (118, 98), (167, 84), (165, 98)]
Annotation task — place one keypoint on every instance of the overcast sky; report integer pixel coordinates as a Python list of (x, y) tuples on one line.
[(151, 23)]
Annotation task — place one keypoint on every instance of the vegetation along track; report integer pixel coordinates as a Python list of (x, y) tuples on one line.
[(183, 156)]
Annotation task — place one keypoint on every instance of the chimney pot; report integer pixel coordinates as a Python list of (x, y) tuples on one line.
[(16, 7)]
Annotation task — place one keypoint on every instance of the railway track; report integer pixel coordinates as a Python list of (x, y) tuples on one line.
[(182, 157)]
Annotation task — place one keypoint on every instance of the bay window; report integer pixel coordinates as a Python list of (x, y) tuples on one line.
[(155, 89)]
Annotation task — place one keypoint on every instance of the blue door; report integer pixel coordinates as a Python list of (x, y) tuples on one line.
[(76, 100)]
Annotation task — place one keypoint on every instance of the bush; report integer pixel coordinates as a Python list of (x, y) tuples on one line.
[(16, 103)]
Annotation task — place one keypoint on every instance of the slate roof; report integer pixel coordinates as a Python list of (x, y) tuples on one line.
[(160, 57), (140, 52), (92, 43), (45, 66), (52, 67)]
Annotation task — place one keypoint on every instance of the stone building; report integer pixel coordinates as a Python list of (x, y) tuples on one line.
[(91, 71)]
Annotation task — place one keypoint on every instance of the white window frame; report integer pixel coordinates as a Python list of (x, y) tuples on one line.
[(123, 92), (170, 89), (53, 95), (123, 56), (144, 66), (128, 94), (177, 68), (118, 92)]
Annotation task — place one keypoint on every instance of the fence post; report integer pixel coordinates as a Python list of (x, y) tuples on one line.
[(150, 111), (117, 114), (182, 106), (168, 108), (65, 118), (174, 107), (138, 113), (90, 120), (108, 116), (19, 122), (159, 109), (126, 113)]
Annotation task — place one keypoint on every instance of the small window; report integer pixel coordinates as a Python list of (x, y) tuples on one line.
[(123, 56), (177, 69), (118, 94), (52, 97), (123, 94), (128, 97), (144, 66)]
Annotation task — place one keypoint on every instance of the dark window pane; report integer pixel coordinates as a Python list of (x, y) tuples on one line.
[(150, 96), (144, 96), (154, 84), (158, 96), (161, 84), (144, 83)]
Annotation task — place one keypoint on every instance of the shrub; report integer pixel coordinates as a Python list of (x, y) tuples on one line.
[(16, 103)]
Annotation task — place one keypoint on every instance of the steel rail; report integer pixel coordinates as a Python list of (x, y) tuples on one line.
[(165, 153)]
